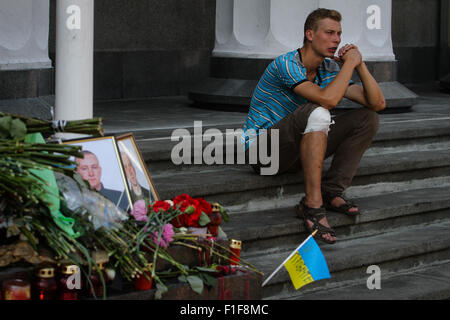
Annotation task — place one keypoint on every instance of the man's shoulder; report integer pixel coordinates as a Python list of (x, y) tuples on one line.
[(291, 55), (286, 61)]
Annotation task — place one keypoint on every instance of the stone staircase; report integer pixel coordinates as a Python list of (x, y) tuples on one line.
[(402, 188)]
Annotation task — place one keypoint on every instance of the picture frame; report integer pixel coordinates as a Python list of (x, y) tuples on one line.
[(102, 168), (136, 171)]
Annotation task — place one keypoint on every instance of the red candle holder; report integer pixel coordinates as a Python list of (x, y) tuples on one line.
[(96, 287), (44, 286), (141, 282), (16, 289), (69, 282), (235, 248), (213, 226)]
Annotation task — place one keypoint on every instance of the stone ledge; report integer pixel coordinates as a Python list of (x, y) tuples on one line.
[(396, 250), (253, 68), (39, 107), (238, 179), (239, 286), (425, 283), (230, 93), (31, 83), (445, 83), (280, 227)]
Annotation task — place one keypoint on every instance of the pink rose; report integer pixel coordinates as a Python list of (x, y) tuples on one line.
[(139, 211)]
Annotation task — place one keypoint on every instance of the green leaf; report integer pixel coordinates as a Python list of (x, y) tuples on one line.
[(5, 127), (203, 220), (160, 290), (208, 270), (209, 280), (189, 210), (182, 278), (221, 234), (224, 214), (18, 129), (196, 284)]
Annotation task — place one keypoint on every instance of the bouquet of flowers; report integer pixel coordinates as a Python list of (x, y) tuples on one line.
[(180, 214), (45, 203), (166, 222)]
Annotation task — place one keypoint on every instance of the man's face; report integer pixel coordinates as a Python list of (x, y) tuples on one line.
[(129, 170), (327, 37), (90, 170)]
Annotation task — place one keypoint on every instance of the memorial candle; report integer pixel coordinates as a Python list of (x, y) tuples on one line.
[(16, 289), (235, 248)]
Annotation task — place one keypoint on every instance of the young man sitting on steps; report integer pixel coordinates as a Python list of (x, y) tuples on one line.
[(294, 96)]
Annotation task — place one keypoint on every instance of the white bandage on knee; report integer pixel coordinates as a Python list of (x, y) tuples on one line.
[(319, 121)]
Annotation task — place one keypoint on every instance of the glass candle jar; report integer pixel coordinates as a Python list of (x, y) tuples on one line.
[(216, 219), (69, 282), (96, 286), (44, 286), (235, 248), (16, 289), (141, 282)]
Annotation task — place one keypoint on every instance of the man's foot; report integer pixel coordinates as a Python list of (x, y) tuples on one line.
[(340, 204), (314, 219)]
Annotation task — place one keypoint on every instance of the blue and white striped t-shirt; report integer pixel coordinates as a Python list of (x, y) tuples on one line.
[(274, 98)]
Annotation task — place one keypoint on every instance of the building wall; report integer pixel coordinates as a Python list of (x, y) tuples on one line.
[(416, 40), (146, 48)]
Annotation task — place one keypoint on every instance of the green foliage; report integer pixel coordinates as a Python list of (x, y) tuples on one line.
[(204, 220)]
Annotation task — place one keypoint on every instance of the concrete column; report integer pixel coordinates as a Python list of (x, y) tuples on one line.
[(24, 34), (251, 33), (74, 59), (259, 28), (366, 23), (268, 28)]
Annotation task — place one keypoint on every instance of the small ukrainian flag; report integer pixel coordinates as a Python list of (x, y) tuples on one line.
[(305, 264)]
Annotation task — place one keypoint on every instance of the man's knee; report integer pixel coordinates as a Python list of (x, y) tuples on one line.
[(319, 121)]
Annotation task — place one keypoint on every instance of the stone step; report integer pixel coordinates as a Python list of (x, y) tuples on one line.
[(165, 167), (348, 260), (278, 229), (238, 92), (430, 282), (233, 185), (394, 133)]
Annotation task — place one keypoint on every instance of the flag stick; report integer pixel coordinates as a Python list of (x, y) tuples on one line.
[(292, 253)]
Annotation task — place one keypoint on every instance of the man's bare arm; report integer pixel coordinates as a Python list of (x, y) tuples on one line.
[(330, 96), (370, 94)]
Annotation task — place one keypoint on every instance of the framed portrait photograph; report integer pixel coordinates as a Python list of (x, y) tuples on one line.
[(102, 168), (138, 178)]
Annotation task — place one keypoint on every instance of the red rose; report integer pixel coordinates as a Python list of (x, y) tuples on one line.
[(181, 198), (161, 205), (204, 205)]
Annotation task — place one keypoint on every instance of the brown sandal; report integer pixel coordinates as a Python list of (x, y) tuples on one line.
[(314, 215), (343, 208)]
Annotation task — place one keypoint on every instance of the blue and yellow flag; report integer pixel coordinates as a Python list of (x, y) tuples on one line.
[(307, 264)]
